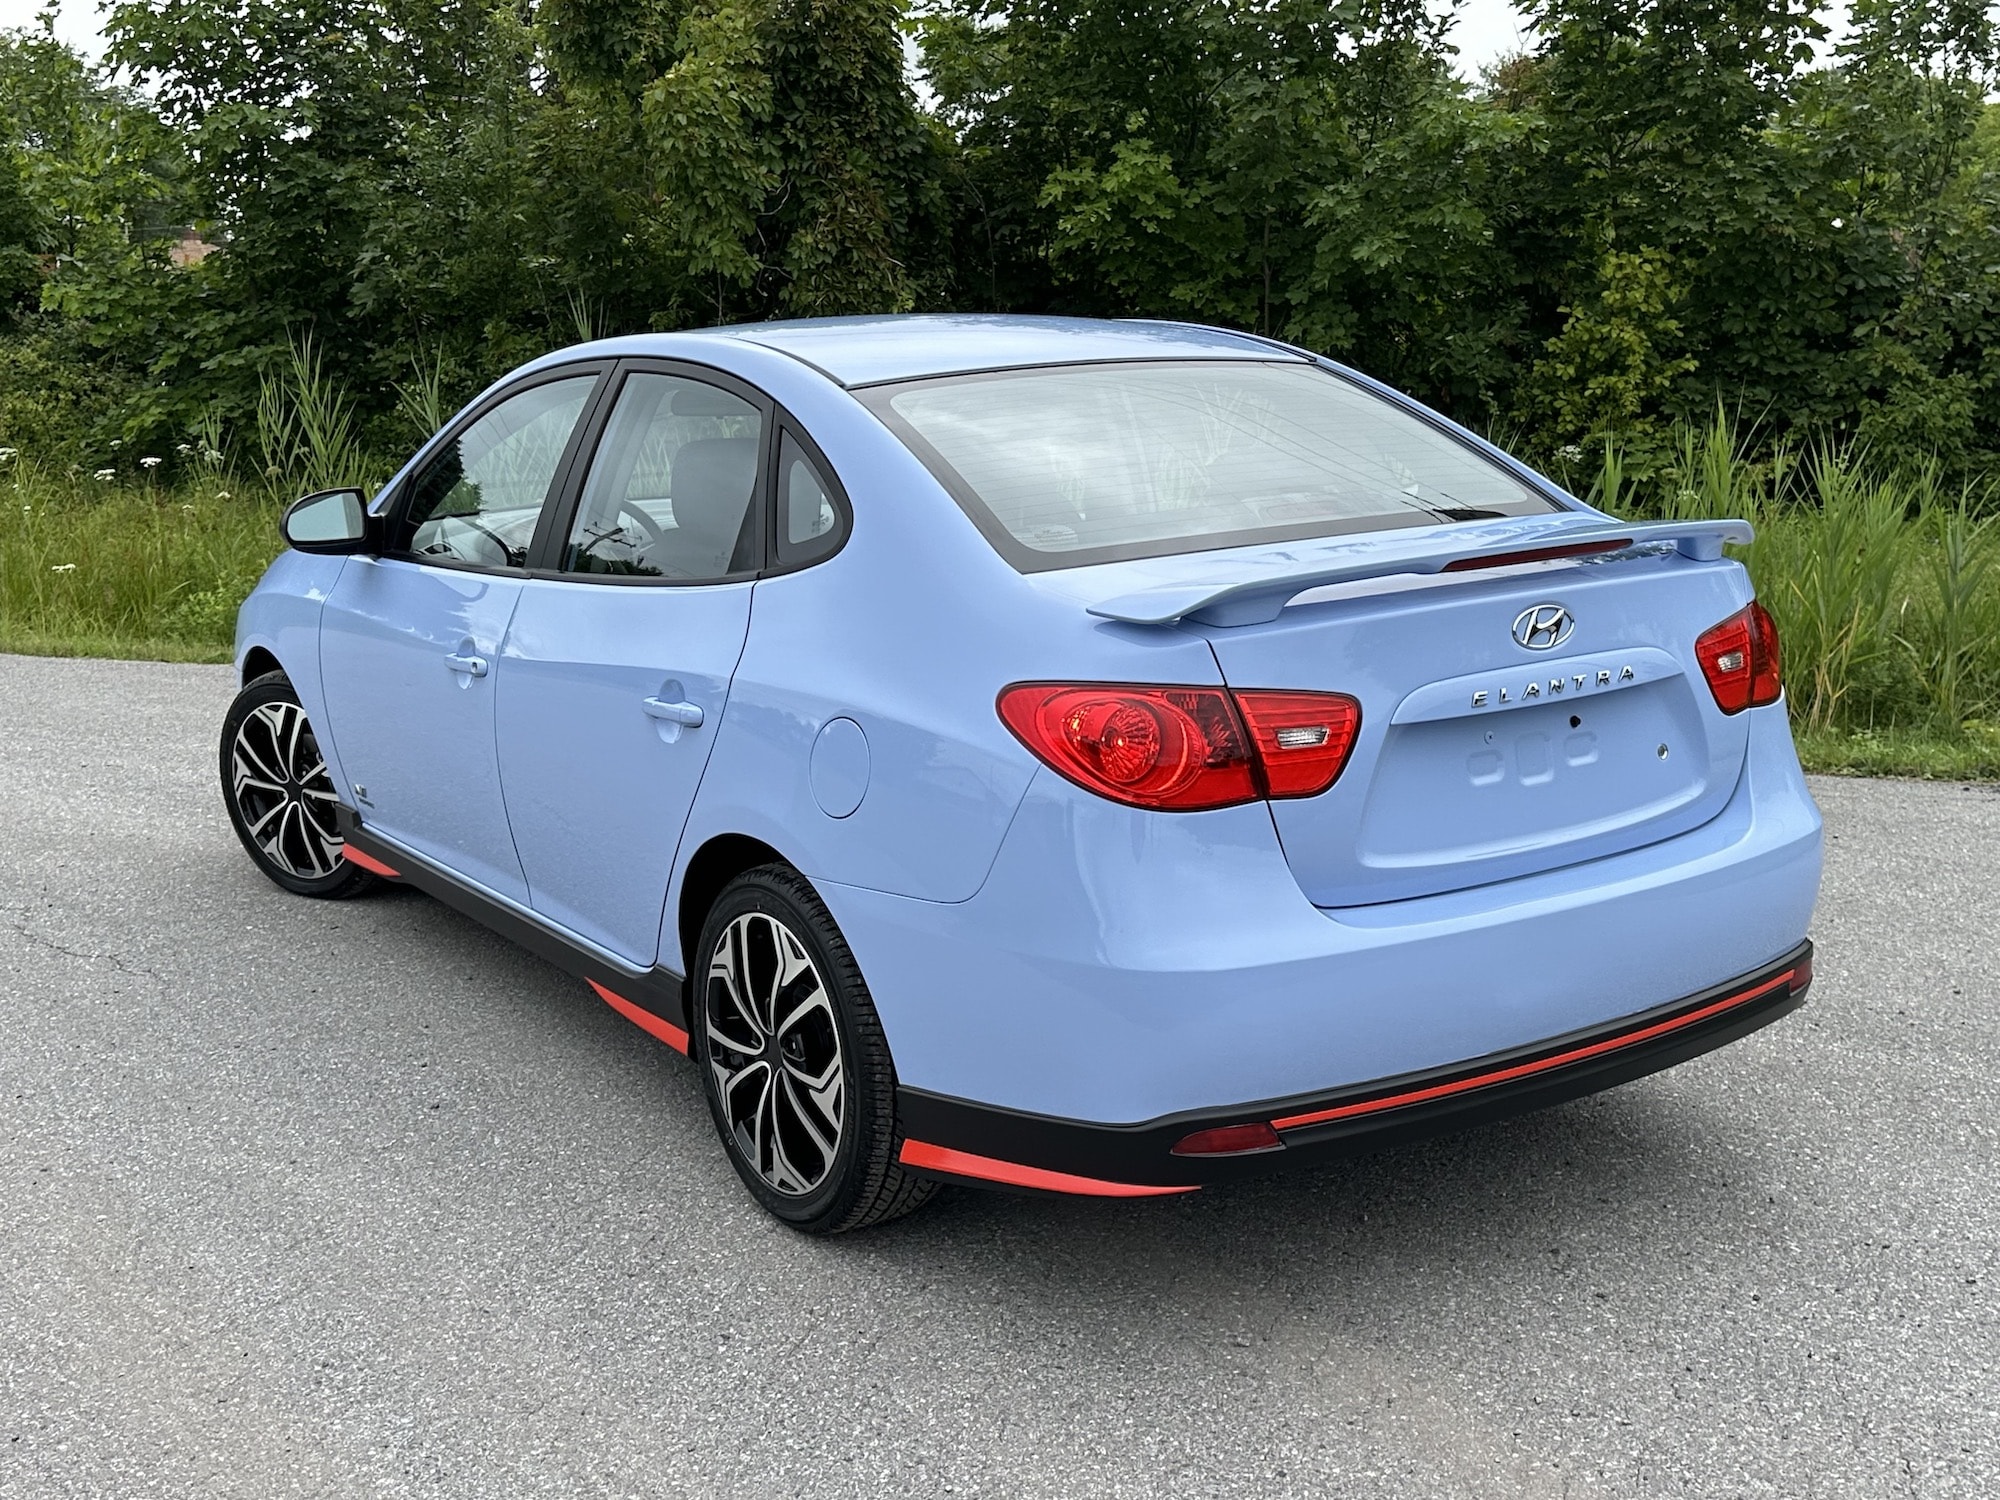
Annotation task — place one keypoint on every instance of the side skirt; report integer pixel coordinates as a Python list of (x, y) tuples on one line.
[(651, 999)]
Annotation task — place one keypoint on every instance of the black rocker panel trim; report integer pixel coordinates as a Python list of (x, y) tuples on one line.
[(1142, 1153), (658, 991)]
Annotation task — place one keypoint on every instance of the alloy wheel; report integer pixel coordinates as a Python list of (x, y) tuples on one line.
[(774, 1049), (283, 792)]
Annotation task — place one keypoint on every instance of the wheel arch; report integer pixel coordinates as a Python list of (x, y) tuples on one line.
[(718, 861), (256, 662)]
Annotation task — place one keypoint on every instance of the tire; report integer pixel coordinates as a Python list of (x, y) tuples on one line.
[(808, 1116), (279, 795)]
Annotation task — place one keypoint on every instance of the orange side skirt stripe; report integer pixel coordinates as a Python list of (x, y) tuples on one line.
[(368, 862), (645, 1020), (926, 1157)]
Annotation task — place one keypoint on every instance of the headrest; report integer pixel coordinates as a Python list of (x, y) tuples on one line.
[(711, 484), (691, 400)]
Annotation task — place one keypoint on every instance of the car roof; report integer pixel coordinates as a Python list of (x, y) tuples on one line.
[(870, 350)]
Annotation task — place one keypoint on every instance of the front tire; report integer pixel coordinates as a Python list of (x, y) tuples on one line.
[(793, 1060), (279, 795)]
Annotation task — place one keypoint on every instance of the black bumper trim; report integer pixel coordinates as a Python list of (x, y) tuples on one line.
[(1372, 1115)]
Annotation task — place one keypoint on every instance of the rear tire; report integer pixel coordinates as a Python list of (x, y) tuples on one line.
[(279, 795), (792, 1057)]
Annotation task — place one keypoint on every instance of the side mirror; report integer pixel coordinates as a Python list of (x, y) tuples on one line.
[(334, 521)]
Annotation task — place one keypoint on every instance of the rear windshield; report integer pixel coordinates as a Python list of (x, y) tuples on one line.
[(1074, 464)]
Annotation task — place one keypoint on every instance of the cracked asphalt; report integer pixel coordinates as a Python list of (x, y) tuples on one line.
[(305, 1199)]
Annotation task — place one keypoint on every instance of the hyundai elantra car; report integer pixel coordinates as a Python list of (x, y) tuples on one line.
[(1094, 757)]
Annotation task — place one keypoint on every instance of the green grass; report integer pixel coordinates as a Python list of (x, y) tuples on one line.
[(1971, 755), (1886, 588), (90, 568)]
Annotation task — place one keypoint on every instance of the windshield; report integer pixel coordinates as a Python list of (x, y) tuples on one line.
[(1074, 464)]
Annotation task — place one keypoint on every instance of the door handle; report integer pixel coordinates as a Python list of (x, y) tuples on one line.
[(687, 715), (471, 666)]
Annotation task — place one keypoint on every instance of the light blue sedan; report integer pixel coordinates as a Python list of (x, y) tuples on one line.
[(1093, 757)]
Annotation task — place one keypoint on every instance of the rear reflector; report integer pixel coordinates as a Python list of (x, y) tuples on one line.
[(1740, 659), (1184, 749), (1535, 554), (1802, 975), (1230, 1140)]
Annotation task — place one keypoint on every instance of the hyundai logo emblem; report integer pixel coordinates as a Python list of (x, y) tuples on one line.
[(1543, 627)]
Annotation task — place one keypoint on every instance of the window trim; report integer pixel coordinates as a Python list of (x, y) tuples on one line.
[(878, 396), (396, 511), (544, 561)]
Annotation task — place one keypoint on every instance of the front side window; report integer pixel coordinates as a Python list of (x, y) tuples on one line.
[(669, 493), (1066, 465), (478, 498)]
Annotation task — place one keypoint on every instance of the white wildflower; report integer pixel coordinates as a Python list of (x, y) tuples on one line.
[(1840, 223), (188, 508), (149, 463), (7, 453), (118, 442), (222, 494), (63, 568), (105, 476), (211, 455), (183, 449)]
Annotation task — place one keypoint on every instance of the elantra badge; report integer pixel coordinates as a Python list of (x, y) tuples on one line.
[(1543, 627)]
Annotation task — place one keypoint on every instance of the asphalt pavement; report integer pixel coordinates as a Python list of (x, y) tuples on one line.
[(301, 1198)]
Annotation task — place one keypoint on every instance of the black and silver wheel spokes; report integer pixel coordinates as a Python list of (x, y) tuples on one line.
[(283, 792), (775, 1051)]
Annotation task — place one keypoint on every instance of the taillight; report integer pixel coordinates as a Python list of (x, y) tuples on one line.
[(1302, 740), (1739, 658), (1182, 749)]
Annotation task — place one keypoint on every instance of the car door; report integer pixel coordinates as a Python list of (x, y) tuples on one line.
[(618, 661), (409, 639)]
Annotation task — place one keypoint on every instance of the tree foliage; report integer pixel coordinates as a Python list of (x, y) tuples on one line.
[(1661, 206)]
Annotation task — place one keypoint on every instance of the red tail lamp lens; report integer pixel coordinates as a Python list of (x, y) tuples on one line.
[(1302, 740), (1183, 749), (1740, 659), (1229, 1140), (1160, 747)]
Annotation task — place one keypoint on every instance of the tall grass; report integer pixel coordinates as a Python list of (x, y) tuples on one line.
[(1885, 586), (97, 568)]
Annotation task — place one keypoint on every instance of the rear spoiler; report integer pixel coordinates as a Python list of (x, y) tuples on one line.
[(1218, 590)]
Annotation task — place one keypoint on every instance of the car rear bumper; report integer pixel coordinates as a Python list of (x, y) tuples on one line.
[(1120, 968), (957, 1139)]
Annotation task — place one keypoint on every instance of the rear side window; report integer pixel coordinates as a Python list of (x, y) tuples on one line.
[(1065, 465), (670, 490), (809, 512)]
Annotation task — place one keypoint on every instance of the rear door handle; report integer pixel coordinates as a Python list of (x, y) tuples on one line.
[(687, 715), (471, 666)]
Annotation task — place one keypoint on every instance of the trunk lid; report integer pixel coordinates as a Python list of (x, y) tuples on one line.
[(1489, 748)]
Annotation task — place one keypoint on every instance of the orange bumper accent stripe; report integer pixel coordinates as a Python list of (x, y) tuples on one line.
[(926, 1157), (645, 1020), (367, 862), (1529, 1069)]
